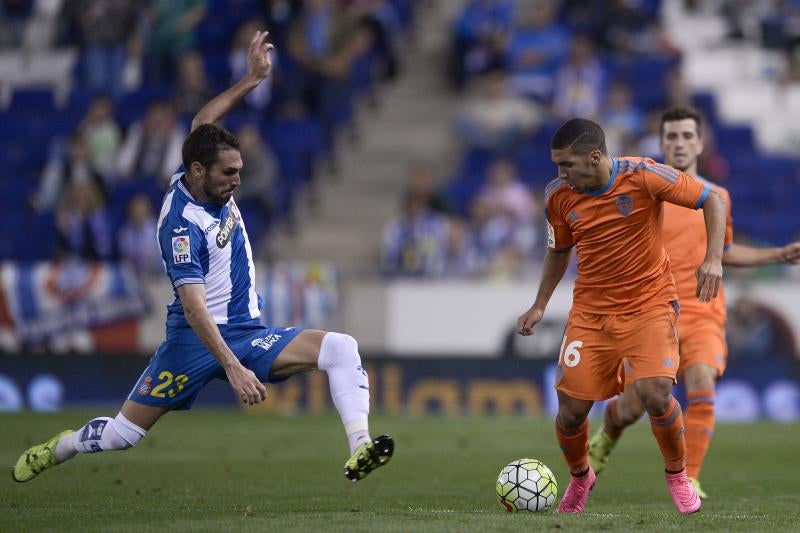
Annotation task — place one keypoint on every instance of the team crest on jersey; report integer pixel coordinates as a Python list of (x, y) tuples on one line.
[(624, 204), (144, 388), (181, 250)]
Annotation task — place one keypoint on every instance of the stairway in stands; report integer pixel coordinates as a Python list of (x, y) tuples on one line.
[(413, 122)]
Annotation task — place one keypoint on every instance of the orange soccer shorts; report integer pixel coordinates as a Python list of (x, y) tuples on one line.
[(595, 346), (702, 341)]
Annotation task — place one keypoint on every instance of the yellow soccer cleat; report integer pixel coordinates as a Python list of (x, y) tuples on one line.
[(368, 457), (600, 446), (37, 459), (700, 492)]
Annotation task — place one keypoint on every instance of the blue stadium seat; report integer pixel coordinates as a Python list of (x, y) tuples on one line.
[(39, 101)]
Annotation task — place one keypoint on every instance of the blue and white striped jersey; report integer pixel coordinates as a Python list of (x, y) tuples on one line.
[(207, 243)]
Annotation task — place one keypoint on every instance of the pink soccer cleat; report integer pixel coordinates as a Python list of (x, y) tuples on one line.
[(578, 490), (683, 494)]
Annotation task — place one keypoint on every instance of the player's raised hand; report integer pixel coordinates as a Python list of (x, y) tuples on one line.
[(709, 280), (791, 253), (245, 384), (259, 62), (528, 320)]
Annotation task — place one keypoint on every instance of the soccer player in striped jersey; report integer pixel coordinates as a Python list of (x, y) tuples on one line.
[(703, 352), (625, 300), (213, 325)]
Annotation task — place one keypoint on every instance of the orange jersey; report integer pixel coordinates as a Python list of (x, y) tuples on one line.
[(685, 241), (622, 265)]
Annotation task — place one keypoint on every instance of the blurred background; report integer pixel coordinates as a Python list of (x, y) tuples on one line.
[(395, 163)]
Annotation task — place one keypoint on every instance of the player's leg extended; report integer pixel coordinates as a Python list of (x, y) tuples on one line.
[(337, 355), (98, 435), (572, 431), (700, 381), (620, 413), (666, 421)]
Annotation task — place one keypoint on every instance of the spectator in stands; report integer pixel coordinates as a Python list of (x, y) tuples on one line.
[(536, 49), (503, 242), (104, 28), (414, 243), (172, 25), (496, 119), (102, 135), (255, 194), (325, 43), (482, 29), (193, 89), (622, 120), (421, 183), (504, 195), (135, 242), (259, 98), (679, 94), (13, 16), (579, 82), (492, 230), (461, 256), (756, 330), (383, 21), (82, 224), (61, 173), (621, 27), (152, 146), (648, 143)]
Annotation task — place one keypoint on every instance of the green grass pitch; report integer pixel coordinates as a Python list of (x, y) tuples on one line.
[(230, 471)]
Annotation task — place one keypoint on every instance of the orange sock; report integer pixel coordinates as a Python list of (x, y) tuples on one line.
[(699, 429), (612, 427), (574, 445), (668, 430)]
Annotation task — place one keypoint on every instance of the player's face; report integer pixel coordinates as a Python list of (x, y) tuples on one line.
[(577, 169), (222, 178), (681, 144)]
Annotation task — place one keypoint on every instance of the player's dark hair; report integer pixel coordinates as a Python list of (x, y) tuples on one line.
[(682, 113), (580, 135), (204, 144)]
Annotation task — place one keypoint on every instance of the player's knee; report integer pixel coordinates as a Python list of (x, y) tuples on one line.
[(338, 348), (104, 434), (700, 377), (629, 410), (570, 418)]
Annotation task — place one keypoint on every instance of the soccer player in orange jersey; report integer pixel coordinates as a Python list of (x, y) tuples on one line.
[(703, 350), (625, 300)]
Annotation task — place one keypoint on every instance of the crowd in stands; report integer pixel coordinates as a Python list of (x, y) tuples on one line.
[(90, 170), (522, 67)]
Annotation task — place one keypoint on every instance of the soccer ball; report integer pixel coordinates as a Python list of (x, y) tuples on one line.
[(526, 485)]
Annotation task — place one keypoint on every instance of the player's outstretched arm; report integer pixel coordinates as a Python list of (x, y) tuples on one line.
[(555, 265), (259, 66), (709, 274), (244, 382), (742, 255)]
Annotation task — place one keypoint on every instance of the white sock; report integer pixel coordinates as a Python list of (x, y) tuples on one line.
[(65, 448), (103, 434), (347, 379)]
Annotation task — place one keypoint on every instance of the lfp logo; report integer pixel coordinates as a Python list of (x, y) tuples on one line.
[(181, 249)]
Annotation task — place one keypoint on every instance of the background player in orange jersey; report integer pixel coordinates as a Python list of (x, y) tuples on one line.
[(625, 300), (703, 350)]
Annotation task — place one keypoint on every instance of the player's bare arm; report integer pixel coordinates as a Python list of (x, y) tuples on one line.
[(244, 382), (555, 265), (259, 66), (709, 274), (742, 255)]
